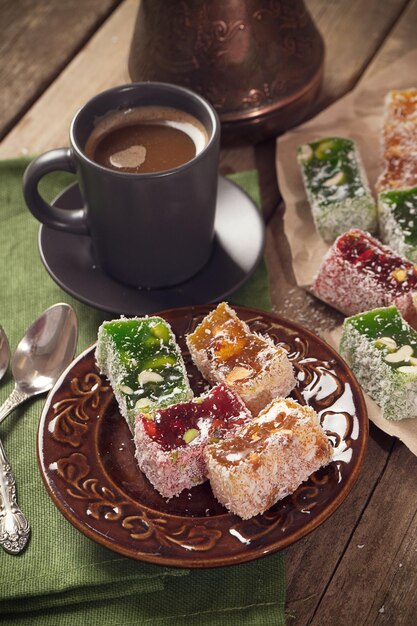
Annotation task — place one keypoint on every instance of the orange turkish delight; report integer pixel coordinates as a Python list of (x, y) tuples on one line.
[(226, 351), (399, 141)]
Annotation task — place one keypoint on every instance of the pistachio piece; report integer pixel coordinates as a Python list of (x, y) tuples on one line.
[(305, 152), (400, 274), (403, 354), (143, 405), (190, 434), (238, 373), (159, 361), (151, 342), (387, 342), (147, 376), (408, 369), (160, 331), (325, 148), (126, 390), (337, 179)]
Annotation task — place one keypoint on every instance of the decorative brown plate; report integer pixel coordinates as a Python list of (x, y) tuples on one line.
[(86, 456)]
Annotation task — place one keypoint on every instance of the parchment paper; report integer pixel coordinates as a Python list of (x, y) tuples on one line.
[(359, 117)]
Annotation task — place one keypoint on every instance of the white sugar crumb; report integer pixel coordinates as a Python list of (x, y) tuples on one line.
[(305, 309), (360, 546), (382, 609)]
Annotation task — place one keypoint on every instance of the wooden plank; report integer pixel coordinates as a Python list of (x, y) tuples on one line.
[(353, 32), (401, 40), (370, 584), (310, 564), (31, 30), (101, 64), (396, 603)]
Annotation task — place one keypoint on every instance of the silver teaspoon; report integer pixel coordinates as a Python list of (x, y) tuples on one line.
[(43, 353), (4, 353)]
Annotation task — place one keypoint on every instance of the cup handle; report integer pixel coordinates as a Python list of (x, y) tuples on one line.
[(70, 220)]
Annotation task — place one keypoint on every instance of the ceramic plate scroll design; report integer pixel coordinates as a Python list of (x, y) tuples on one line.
[(86, 456)]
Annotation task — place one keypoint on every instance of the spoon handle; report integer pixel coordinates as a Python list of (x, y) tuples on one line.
[(14, 527), (16, 397)]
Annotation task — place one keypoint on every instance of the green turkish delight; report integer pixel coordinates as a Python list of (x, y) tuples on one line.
[(397, 211), (336, 187), (143, 363), (381, 349)]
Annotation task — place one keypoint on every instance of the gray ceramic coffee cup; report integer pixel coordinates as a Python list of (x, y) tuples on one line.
[(148, 229)]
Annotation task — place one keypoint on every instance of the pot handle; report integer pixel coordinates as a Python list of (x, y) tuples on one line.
[(70, 220)]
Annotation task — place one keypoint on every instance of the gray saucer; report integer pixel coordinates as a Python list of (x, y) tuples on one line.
[(238, 247)]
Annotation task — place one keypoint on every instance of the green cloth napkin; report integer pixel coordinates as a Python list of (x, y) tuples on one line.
[(64, 578)]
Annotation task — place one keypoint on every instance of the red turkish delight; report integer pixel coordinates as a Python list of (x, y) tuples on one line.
[(359, 273), (170, 444)]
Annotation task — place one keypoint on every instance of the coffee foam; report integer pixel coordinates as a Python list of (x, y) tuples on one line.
[(150, 115)]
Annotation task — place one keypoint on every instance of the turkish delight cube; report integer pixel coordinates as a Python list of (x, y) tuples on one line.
[(359, 273), (170, 443), (143, 363), (225, 350), (397, 211), (336, 187), (267, 458), (381, 349), (399, 140)]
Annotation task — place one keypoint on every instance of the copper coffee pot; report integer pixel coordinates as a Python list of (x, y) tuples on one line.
[(259, 62)]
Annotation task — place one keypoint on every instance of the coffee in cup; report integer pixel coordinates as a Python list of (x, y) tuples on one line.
[(146, 139), (150, 198)]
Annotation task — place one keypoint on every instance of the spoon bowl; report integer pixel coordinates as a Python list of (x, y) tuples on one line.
[(4, 353), (46, 349)]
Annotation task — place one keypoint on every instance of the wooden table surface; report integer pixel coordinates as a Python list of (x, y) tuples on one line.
[(360, 566)]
